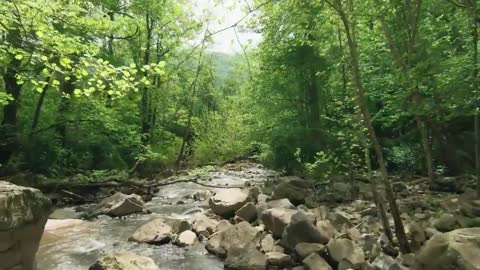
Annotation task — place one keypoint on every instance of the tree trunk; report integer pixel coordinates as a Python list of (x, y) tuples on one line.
[(38, 108), (313, 113), (110, 53), (190, 111), (9, 122), (12, 88), (378, 200), (475, 88), (427, 149), (67, 89), (422, 127), (360, 97), (403, 59), (144, 108)]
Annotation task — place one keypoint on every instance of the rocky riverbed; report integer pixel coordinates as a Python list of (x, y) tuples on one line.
[(245, 217)]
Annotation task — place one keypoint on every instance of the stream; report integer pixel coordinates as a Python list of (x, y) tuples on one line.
[(75, 244)]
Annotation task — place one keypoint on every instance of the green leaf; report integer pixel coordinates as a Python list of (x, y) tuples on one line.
[(77, 92), (19, 57)]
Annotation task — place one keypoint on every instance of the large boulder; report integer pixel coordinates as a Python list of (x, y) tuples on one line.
[(445, 223), (154, 232), (119, 205), (23, 214), (340, 190), (124, 261), (227, 201), (276, 219), (346, 249), (447, 184), (241, 236), (246, 258), (293, 188), (301, 229), (458, 249)]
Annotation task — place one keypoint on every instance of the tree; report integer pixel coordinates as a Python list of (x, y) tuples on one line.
[(349, 25)]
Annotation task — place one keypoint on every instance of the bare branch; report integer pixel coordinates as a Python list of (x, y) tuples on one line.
[(244, 53), (458, 4)]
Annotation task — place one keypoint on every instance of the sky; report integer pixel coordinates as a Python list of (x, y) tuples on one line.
[(224, 14)]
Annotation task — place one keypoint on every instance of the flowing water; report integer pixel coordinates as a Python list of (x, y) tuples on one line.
[(72, 244)]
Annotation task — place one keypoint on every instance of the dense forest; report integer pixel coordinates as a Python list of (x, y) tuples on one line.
[(371, 103), (334, 87)]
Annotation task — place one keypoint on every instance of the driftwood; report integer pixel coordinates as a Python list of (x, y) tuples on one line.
[(73, 195), (195, 181)]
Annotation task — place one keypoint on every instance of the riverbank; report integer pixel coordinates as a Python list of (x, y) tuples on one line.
[(338, 216)]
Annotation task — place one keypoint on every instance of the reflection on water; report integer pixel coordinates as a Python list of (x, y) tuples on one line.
[(75, 245)]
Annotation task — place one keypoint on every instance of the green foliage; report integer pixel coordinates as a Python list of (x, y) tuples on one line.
[(221, 136), (5, 99), (103, 85)]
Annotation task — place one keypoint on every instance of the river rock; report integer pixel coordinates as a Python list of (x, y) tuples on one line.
[(340, 190), (124, 261), (23, 214), (186, 238), (154, 232), (383, 262), (316, 262), (202, 195), (305, 249), (301, 229), (262, 198), (293, 188), (445, 223), (119, 205), (181, 225), (245, 258), (341, 220), (267, 244), (204, 225), (281, 203), (326, 229), (223, 225), (278, 259), (276, 219), (248, 212), (416, 234), (446, 184), (458, 249), (227, 201), (340, 249), (367, 242), (241, 235), (320, 212)]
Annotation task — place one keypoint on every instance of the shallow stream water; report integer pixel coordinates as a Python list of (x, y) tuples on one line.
[(75, 245)]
